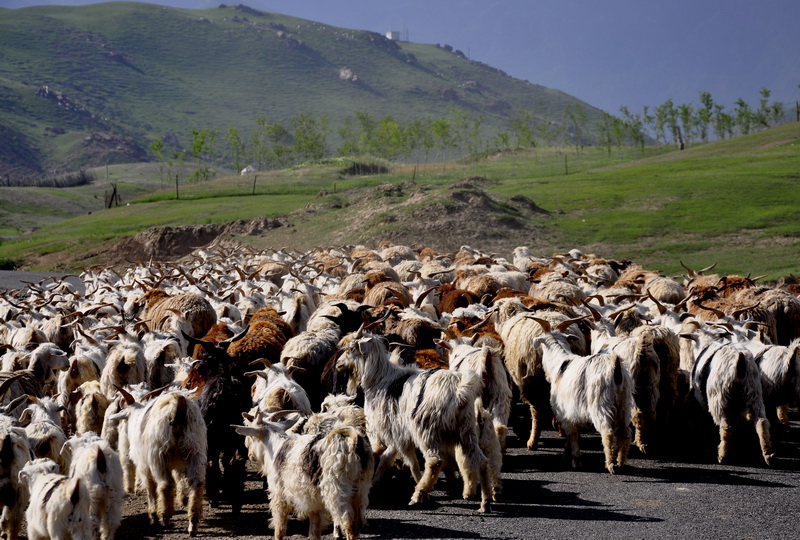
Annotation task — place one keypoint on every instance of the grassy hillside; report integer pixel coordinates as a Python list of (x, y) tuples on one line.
[(733, 202), (133, 72)]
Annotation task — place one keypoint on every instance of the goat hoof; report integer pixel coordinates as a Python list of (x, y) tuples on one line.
[(768, 459), (418, 498)]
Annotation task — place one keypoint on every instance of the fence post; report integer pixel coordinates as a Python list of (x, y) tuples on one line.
[(177, 194), (255, 177)]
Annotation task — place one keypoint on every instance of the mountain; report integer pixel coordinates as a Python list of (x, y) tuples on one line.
[(94, 85)]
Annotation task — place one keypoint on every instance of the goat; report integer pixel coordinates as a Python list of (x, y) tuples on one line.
[(164, 439), (224, 397), (780, 376), (42, 421), (726, 382), (59, 505), (159, 307), (15, 452), (524, 361), (464, 356), (594, 390), (38, 379), (275, 389), (409, 409), (125, 365), (90, 408), (93, 460), (314, 476)]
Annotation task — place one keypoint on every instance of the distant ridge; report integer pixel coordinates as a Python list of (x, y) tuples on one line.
[(93, 85)]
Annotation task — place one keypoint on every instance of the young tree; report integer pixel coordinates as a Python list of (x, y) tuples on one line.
[(522, 124), (157, 146), (421, 139), (705, 114), (348, 134), (666, 121), (442, 136), (744, 116), (473, 137), (574, 121), (723, 122), (688, 120), (202, 152), (310, 136), (280, 142), (633, 126), (238, 149), (605, 131)]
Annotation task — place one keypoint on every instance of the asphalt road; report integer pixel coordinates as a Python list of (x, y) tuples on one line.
[(14, 279)]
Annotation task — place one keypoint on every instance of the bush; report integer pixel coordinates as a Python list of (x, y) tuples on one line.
[(8, 264), (363, 169)]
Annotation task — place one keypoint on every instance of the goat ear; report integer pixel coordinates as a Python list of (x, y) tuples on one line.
[(76, 493), (25, 417)]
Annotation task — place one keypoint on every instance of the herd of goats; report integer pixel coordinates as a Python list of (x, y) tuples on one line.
[(327, 369)]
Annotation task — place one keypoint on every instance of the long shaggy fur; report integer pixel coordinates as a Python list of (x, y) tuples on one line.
[(59, 505), (318, 476), (164, 439), (726, 382), (591, 390), (409, 409), (98, 466)]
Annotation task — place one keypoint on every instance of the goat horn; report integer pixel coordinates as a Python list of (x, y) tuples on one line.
[(155, 393), (595, 314), (659, 305), (262, 361), (740, 311), (8, 382), (598, 297), (543, 323), (562, 326), (719, 313), (421, 297), (129, 399)]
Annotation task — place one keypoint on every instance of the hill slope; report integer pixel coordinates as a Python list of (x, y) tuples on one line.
[(92, 85), (734, 202)]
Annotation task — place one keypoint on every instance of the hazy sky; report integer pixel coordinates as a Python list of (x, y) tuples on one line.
[(606, 52)]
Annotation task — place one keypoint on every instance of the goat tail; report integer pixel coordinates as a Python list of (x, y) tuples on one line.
[(346, 464), (618, 375), (469, 388)]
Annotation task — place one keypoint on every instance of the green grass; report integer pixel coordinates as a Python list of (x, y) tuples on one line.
[(733, 202)]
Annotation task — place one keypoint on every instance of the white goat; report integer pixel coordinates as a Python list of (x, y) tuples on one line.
[(59, 505), (314, 476), (780, 375), (125, 365), (594, 390), (480, 361), (410, 409), (726, 381), (93, 460), (42, 421), (164, 439)]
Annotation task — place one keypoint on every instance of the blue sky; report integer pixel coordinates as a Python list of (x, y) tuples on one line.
[(606, 52)]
